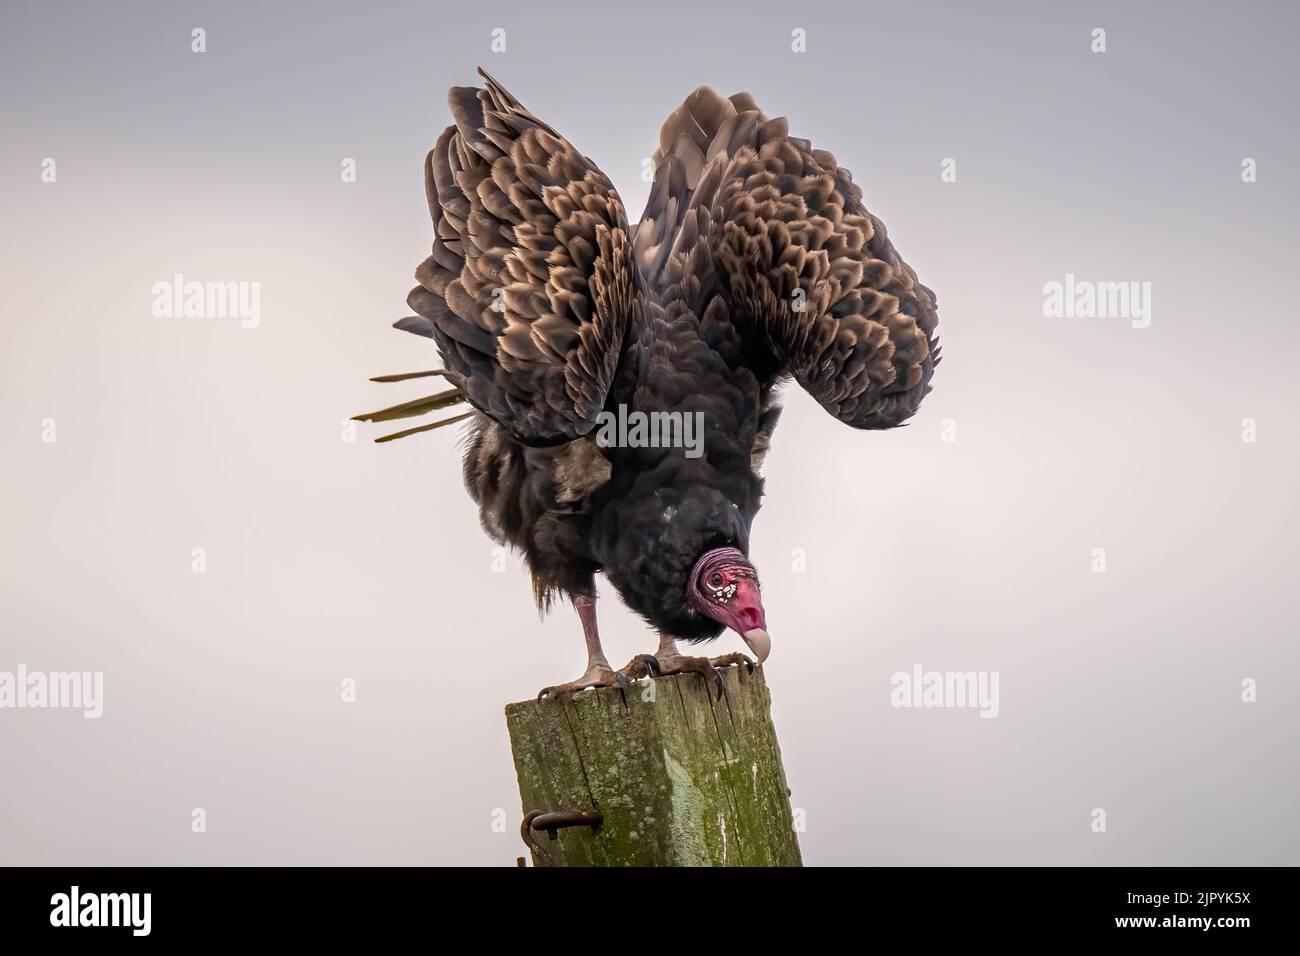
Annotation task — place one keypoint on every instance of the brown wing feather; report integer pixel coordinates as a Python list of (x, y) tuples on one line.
[(807, 271), (530, 283)]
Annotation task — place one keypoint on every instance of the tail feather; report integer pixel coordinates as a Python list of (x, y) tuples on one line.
[(423, 428), (408, 375), (418, 406)]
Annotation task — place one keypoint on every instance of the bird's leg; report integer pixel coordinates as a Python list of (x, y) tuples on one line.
[(643, 665), (598, 672), (672, 662)]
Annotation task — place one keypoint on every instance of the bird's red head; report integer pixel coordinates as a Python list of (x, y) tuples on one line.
[(724, 587)]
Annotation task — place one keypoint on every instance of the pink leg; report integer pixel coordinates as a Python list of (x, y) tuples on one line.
[(598, 672)]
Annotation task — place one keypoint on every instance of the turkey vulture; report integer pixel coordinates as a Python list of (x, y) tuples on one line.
[(754, 262)]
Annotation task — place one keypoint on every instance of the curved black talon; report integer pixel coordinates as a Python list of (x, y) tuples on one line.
[(623, 685), (651, 664)]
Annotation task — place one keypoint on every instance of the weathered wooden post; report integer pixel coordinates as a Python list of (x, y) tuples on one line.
[(674, 777)]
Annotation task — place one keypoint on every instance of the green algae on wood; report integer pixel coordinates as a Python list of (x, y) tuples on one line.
[(681, 779)]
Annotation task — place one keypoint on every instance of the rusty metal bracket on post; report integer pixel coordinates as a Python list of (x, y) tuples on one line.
[(551, 821)]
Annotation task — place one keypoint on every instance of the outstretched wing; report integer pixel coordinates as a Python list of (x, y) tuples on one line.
[(804, 269), (529, 287)]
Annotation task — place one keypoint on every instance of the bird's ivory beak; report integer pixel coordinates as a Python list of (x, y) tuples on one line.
[(759, 643)]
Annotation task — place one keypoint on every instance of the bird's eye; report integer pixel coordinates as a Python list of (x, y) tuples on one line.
[(716, 579)]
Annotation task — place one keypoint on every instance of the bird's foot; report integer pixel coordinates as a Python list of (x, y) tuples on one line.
[(602, 675), (734, 659), (706, 667), (643, 665), (597, 675)]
